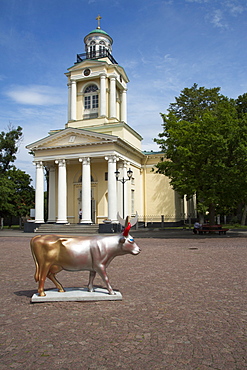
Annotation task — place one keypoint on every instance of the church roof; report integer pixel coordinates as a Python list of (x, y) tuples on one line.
[(98, 30)]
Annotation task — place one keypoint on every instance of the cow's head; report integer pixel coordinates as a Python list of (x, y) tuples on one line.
[(126, 241)]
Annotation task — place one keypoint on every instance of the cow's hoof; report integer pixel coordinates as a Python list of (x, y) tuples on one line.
[(42, 294), (61, 290), (112, 292)]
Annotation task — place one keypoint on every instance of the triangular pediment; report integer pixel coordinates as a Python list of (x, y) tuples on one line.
[(94, 64), (71, 137), (87, 63)]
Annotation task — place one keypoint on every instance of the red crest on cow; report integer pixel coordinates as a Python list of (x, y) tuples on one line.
[(127, 229)]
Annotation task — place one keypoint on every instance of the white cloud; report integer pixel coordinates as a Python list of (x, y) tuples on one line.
[(235, 7), (197, 1), (217, 19), (218, 12), (36, 95)]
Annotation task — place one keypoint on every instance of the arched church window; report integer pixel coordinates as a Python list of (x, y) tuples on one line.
[(102, 49), (91, 88), (91, 101), (80, 179), (92, 50)]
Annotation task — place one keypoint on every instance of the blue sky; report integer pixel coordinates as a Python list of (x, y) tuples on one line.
[(164, 47)]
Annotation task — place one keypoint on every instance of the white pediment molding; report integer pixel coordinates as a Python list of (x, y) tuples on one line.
[(71, 137), (88, 63)]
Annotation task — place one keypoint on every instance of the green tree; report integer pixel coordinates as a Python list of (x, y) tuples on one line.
[(6, 195), (241, 103), (22, 197), (16, 191), (9, 147), (204, 141)]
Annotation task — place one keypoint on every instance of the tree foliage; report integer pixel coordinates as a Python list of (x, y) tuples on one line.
[(16, 192), (205, 145), (9, 147), (23, 198)]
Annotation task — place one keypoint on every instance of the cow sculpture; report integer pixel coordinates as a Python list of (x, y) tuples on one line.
[(54, 253)]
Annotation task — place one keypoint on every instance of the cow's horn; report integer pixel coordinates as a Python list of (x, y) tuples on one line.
[(124, 223), (121, 220), (134, 220), (127, 225)]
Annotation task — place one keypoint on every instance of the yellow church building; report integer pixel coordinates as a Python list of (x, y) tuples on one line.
[(96, 163)]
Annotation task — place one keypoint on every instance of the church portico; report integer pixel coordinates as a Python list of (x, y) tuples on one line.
[(72, 186)]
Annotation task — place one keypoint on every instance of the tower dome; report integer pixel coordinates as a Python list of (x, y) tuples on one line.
[(98, 43)]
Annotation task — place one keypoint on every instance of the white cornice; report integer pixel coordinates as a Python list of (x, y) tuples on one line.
[(98, 155)]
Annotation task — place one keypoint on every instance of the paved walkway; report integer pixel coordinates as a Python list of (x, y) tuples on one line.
[(184, 307), (146, 233)]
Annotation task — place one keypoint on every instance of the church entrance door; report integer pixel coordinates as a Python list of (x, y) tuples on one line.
[(93, 204)]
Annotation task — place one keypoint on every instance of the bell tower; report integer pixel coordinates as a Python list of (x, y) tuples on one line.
[(97, 85)]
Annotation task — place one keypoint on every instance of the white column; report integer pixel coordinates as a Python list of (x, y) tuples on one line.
[(124, 106), (185, 207), (112, 96), (69, 101), (86, 191), (73, 100), (194, 210), (52, 195), (39, 193), (112, 189), (102, 95), (62, 192)]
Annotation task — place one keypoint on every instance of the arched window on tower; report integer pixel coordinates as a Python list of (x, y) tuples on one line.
[(91, 102), (102, 49), (92, 52)]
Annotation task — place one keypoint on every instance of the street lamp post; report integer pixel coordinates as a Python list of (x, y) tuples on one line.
[(123, 181)]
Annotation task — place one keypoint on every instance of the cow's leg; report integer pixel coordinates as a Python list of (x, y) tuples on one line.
[(56, 282), (92, 275), (51, 275), (102, 272), (43, 274)]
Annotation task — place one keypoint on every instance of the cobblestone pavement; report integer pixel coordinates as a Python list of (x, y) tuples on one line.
[(184, 307)]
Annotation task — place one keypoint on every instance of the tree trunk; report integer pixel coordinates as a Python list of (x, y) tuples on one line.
[(211, 214), (201, 218), (243, 219)]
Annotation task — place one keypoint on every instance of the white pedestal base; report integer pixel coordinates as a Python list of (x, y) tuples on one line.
[(77, 294)]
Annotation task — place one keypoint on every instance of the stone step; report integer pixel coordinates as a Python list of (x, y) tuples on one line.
[(71, 229)]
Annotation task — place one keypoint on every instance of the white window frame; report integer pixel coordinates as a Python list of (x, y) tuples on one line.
[(91, 100)]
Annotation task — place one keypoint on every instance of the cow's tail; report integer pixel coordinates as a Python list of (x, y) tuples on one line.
[(36, 275)]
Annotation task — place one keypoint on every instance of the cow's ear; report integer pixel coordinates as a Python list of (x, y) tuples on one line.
[(122, 240)]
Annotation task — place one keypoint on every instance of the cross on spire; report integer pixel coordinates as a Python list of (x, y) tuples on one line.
[(98, 19)]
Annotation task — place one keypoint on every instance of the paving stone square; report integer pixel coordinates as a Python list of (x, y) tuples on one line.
[(184, 307)]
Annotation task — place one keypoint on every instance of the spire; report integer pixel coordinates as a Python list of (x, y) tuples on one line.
[(98, 19)]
